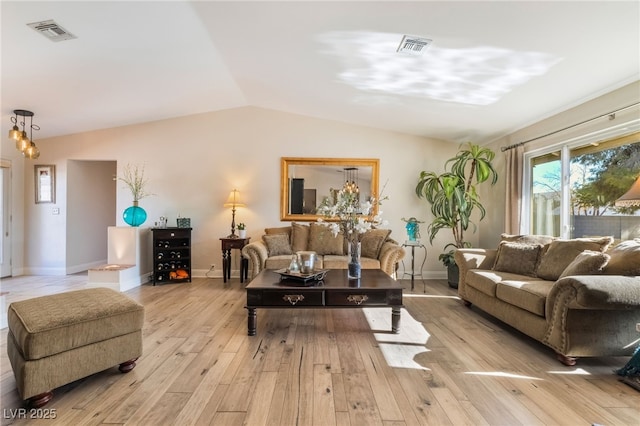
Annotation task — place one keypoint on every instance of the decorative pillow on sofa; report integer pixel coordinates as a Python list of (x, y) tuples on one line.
[(625, 259), (299, 237), (322, 241), (277, 244), (280, 230), (517, 258), (527, 239), (562, 252), (587, 263), (371, 242)]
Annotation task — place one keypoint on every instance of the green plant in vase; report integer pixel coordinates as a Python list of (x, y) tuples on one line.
[(453, 196)]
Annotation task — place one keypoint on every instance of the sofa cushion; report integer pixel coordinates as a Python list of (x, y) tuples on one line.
[(528, 295), (518, 258), (277, 244), (322, 241), (587, 263), (372, 241), (486, 280), (332, 261), (280, 230), (625, 259), (562, 252), (278, 262), (527, 239), (299, 237)]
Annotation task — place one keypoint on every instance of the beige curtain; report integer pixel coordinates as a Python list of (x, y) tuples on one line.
[(513, 196)]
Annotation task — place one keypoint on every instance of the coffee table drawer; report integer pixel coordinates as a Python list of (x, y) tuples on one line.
[(289, 298), (357, 298)]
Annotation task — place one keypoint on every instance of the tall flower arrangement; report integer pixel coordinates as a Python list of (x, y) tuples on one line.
[(133, 177), (352, 218)]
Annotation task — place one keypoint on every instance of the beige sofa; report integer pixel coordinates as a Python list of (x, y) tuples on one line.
[(274, 250), (579, 297)]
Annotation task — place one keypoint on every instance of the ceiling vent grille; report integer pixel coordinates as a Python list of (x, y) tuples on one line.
[(415, 46), (51, 30)]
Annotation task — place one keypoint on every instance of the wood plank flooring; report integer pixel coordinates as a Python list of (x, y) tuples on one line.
[(449, 365)]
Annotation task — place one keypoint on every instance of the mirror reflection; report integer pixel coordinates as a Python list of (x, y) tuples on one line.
[(307, 182)]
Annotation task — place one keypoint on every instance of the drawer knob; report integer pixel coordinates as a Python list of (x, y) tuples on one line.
[(357, 298), (293, 298)]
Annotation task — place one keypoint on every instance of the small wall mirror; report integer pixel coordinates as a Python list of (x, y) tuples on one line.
[(306, 182)]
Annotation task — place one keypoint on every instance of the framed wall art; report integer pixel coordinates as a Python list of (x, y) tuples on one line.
[(45, 178)]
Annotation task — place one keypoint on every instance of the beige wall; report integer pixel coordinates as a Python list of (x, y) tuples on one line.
[(193, 162)]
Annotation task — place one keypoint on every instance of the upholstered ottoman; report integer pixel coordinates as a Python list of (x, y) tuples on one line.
[(55, 340)]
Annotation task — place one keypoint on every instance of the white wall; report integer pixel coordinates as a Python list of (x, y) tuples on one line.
[(193, 162)]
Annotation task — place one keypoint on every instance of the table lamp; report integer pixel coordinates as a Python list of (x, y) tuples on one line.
[(233, 201)]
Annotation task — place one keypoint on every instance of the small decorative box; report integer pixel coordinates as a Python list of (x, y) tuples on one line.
[(184, 222)]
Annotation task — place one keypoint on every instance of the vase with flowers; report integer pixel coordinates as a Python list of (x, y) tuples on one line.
[(134, 179), (347, 215)]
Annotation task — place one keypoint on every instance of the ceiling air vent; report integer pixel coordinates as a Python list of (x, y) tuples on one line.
[(51, 30), (415, 46)]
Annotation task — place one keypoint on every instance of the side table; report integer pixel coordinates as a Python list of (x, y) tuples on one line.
[(227, 245), (413, 273)]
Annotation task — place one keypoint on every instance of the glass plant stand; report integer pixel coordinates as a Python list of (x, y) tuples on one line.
[(413, 272)]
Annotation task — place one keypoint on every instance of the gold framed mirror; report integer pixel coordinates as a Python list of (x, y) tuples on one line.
[(306, 182)]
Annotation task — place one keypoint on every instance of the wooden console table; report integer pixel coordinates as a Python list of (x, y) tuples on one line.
[(227, 245), (375, 289)]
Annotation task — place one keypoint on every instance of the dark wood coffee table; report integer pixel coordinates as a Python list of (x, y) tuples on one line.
[(374, 289)]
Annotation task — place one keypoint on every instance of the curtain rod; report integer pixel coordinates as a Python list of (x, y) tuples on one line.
[(611, 115)]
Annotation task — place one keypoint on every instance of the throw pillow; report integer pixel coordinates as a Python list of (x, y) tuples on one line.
[(280, 230), (517, 258), (625, 259), (277, 244), (299, 237), (371, 242), (587, 263), (562, 252), (527, 239), (322, 241)]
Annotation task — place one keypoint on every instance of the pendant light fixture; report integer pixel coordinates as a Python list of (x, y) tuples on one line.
[(24, 143)]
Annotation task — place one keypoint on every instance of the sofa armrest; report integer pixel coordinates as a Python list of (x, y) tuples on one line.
[(604, 293), (390, 254), (472, 258), (595, 292), (257, 254)]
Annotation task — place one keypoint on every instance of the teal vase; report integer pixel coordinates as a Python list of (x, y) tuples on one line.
[(134, 215)]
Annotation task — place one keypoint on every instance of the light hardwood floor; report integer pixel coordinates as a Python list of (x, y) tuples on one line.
[(449, 365)]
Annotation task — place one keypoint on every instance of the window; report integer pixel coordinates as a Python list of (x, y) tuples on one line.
[(570, 191)]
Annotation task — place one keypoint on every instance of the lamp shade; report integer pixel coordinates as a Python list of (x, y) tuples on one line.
[(631, 197), (234, 199)]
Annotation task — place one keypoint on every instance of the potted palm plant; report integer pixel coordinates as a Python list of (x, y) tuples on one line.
[(454, 197)]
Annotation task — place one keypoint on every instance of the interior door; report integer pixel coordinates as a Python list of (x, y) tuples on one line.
[(5, 218)]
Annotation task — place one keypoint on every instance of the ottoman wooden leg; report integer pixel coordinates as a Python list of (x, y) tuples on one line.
[(127, 366), (40, 400)]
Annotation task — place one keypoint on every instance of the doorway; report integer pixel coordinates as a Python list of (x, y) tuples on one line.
[(5, 218)]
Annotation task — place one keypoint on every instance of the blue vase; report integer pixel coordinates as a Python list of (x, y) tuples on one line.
[(134, 215)]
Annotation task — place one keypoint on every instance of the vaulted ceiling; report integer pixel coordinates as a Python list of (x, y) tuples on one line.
[(491, 67)]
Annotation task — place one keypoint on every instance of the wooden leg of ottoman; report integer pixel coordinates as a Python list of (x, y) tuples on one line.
[(127, 366), (40, 400)]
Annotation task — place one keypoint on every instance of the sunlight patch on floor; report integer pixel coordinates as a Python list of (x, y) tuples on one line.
[(431, 296), (578, 371), (501, 374), (399, 350)]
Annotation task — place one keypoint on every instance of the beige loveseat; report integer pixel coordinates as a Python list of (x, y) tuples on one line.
[(275, 248), (579, 297)]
